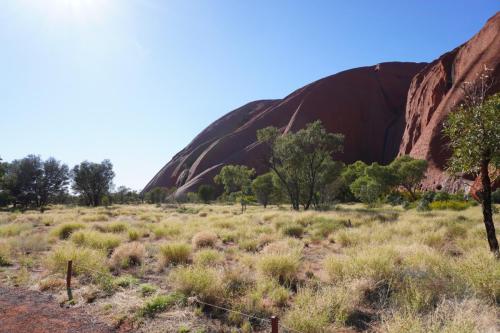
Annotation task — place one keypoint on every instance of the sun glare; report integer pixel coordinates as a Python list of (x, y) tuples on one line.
[(70, 9)]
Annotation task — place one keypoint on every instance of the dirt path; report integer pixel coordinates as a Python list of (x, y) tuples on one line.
[(23, 310)]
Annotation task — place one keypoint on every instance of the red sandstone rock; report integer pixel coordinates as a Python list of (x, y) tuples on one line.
[(366, 104), (435, 91)]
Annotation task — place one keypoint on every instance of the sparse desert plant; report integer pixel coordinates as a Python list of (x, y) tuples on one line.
[(147, 289), (127, 255), (133, 234), (95, 239), (283, 267), (125, 281), (204, 239), (208, 257), (5, 255), (13, 229), (160, 303), (202, 282), (293, 230), (115, 227), (63, 231), (174, 254), (87, 262)]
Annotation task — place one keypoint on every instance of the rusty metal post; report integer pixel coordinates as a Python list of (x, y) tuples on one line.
[(274, 324), (68, 279)]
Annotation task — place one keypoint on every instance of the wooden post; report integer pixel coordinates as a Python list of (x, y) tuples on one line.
[(68, 279), (274, 324)]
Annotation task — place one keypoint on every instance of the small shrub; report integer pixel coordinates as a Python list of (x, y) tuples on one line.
[(293, 230), (95, 240), (63, 231), (115, 227), (127, 255), (250, 245), (282, 267), (5, 259), (147, 289), (125, 281), (13, 229), (86, 262), (451, 205), (174, 254), (160, 303), (202, 282), (204, 239), (208, 257), (133, 234), (51, 284)]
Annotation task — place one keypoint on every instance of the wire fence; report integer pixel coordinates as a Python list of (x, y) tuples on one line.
[(273, 321)]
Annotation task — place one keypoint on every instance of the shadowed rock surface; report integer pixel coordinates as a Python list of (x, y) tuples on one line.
[(435, 91), (384, 110), (366, 104)]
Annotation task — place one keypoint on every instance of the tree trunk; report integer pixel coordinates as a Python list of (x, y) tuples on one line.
[(487, 212)]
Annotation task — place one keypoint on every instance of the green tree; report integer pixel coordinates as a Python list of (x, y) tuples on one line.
[(263, 188), (93, 180), (409, 172), (235, 178), (375, 181), (53, 182), (474, 134), (206, 193), (298, 159), (158, 195)]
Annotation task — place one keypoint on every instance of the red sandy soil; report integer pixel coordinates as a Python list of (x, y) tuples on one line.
[(24, 310)]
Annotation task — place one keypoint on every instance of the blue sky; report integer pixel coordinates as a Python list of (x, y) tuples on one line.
[(135, 80)]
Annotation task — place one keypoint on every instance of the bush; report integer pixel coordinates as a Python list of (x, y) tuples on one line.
[(282, 267), (293, 230), (451, 205), (133, 234), (86, 262), (95, 239), (13, 229), (127, 255), (204, 239), (147, 289), (63, 231), (174, 254), (115, 227), (208, 257), (5, 259), (160, 303), (203, 282), (125, 281)]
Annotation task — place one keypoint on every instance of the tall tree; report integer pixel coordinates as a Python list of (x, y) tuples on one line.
[(93, 180), (53, 182), (298, 159), (409, 172), (474, 133), (263, 188), (235, 178), (21, 179)]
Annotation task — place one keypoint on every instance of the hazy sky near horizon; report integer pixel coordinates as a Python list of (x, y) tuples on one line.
[(135, 80)]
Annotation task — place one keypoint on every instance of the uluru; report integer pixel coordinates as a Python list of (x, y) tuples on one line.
[(384, 110)]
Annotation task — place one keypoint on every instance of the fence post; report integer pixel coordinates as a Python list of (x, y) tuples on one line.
[(274, 324), (68, 279)]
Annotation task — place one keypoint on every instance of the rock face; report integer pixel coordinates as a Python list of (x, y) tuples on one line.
[(365, 104), (385, 110), (435, 91)]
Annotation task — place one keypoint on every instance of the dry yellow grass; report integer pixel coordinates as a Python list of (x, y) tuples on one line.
[(318, 271)]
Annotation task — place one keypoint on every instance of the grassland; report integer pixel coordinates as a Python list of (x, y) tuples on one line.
[(350, 269)]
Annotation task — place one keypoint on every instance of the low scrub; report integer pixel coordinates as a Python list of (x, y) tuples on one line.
[(127, 255), (208, 257), (160, 303), (204, 239), (174, 254), (202, 282), (115, 227), (86, 262), (451, 205), (282, 267), (13, 229), (63, 231), (95, 240)]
